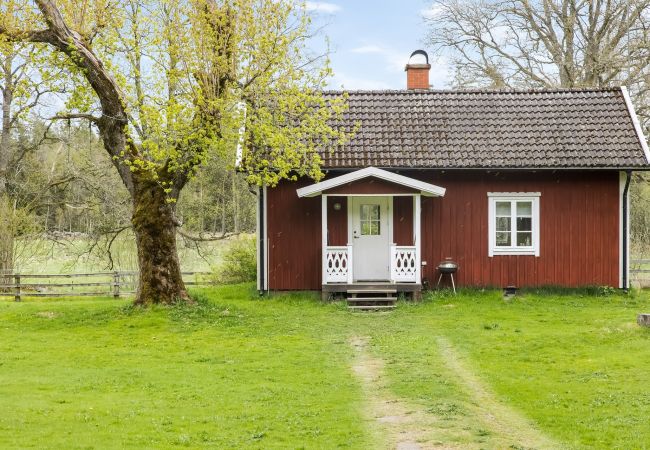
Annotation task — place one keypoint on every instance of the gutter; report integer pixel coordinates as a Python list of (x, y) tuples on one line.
[(626, 225)]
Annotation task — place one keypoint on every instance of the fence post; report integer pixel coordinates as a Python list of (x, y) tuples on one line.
[(17, 287), (116, 284)]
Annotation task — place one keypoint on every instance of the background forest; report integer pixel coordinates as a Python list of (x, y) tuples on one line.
[(71, 211)]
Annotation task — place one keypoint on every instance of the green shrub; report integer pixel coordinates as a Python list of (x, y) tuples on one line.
[(239, 263)]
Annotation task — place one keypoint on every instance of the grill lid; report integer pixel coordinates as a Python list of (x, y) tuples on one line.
[(448, 266)]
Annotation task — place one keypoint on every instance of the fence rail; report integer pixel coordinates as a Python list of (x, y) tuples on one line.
[(640, 272), (113, 284)]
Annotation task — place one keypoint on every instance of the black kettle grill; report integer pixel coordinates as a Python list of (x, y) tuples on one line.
[(448, 267)]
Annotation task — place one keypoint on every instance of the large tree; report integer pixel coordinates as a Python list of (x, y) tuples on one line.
[(168, 82), (543, 43)]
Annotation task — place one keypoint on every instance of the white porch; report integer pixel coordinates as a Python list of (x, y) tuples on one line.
[(405, 264), (371, 256)]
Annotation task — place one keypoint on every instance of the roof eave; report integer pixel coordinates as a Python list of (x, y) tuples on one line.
[(635, 121)]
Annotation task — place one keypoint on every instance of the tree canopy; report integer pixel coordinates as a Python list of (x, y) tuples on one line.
[(170, 82)]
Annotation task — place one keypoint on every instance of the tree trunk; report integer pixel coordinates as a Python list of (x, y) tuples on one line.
[(6, 240), (155, 233)]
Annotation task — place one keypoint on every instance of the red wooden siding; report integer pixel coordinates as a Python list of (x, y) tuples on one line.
[(579, 230), (294, 233), (371, 186), (337, 221), (403, 220)]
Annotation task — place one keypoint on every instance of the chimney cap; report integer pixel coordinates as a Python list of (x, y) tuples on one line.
[(419, 64)]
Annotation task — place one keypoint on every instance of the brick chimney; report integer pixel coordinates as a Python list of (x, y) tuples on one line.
[(417, 70)]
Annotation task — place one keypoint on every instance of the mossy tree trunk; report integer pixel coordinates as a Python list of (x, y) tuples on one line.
[(7, 240), (154, 225)]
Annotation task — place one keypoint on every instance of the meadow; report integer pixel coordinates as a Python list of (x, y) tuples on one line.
[(565, 369)]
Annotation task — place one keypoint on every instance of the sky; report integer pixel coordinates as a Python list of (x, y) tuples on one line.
[(371, 41)]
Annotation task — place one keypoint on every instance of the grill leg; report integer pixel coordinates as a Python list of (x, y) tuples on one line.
[(439, 278), (453, 285)]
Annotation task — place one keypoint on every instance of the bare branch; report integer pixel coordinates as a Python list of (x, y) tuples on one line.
[(85, 116)]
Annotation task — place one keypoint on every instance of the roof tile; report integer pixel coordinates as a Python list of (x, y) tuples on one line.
[(491, 129)]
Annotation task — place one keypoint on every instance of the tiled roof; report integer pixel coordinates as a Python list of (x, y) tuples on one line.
[(489, 129)]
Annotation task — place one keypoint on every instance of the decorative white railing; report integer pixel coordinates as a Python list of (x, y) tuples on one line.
[(337, 264), (403, 263)]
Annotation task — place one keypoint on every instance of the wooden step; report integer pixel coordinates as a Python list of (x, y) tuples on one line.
[(371, 307), (370, 290), (372, 299)]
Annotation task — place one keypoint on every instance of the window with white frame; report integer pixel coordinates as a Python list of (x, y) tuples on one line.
[(513, 223)]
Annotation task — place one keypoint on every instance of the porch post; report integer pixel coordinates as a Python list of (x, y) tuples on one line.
[(416, 237), (324, 237)]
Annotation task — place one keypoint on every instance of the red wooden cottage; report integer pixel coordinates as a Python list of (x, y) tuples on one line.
[(519, 188)]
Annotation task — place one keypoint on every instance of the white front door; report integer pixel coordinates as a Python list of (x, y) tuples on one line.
[(369, 225)]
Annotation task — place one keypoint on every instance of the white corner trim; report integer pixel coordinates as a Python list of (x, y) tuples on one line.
[(258, 230), (533, 250), (635, 121), (427, 189), (624, 240), (266, 239)]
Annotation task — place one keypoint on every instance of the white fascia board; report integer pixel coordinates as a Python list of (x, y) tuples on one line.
[(427, 189), (514, 194), (635, 121)]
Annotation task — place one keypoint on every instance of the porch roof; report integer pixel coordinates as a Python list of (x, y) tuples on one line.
[(426, 189)]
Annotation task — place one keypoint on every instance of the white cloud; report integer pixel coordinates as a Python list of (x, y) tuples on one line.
[(323, 7), (432, 12), (394, 60), (368, 49)]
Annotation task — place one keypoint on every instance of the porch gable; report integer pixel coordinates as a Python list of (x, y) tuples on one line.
[(413, 185)]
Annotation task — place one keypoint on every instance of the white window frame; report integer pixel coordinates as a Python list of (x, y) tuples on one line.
[(493, 198)]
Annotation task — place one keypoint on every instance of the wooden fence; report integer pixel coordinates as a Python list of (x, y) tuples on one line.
[(98, 284), (640, 272)]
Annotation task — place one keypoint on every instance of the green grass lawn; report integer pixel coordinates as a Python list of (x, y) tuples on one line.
[(238, 371)]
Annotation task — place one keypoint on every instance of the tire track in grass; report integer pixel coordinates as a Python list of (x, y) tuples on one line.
[(499, 418), (396, 423), (403, 425)]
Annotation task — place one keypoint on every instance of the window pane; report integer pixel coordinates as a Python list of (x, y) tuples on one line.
[(524, 223), (524, 208), (365, 212), (365, 228), (503, 223), (369, 212), (374, 228), (525, 239), (503, 208), (503, 240)]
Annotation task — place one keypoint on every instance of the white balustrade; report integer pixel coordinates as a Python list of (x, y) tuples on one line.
[(337, 264), (403, 264)]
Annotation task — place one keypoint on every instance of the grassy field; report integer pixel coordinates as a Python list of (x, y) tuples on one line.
[(70, 255), (239, 371)]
